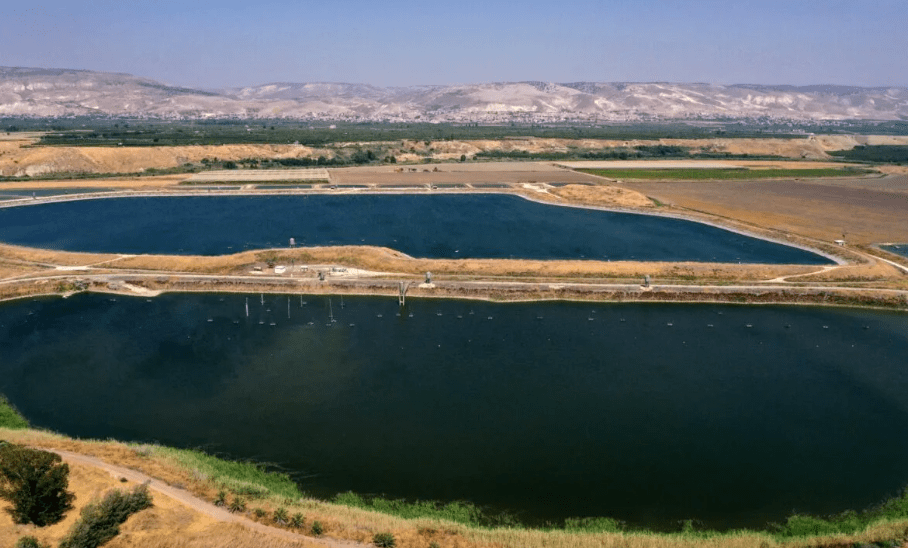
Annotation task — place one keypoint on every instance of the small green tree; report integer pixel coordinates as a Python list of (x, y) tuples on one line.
[(35, 482)]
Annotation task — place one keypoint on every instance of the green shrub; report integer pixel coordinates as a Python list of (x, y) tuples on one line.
[(297, 521), (259, 512), (280, 516), (221, 498), (593, 525), (317, 528), (100, 521), (800, 526), (384, 540), (35, 482), (30, 542), (237, 505)]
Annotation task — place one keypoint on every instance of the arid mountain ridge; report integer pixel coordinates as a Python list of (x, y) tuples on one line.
[(36, 92)]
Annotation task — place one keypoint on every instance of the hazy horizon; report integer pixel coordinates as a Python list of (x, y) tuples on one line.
[(227, 44)]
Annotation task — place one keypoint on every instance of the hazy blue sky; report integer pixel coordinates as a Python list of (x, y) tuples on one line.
[(229, 43)]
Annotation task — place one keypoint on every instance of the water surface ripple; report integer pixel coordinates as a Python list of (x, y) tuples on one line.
[(425, 226), (650, 413)]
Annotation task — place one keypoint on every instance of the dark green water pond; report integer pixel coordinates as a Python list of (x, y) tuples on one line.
[(442, 226), (650, 413), (898, 249)]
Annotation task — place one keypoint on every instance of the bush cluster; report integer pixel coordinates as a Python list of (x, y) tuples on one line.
[(384, 540), (100, 521), (30, 542)]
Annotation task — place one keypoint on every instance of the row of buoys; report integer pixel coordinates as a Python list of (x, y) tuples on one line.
[(438, 313)]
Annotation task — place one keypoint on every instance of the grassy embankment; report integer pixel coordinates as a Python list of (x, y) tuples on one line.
[(460, 524), (723, 174), (10, 417)]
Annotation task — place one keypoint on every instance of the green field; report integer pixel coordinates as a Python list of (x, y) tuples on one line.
[(723, 174)]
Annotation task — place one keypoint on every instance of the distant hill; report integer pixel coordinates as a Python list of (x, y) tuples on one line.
[(63, 92)]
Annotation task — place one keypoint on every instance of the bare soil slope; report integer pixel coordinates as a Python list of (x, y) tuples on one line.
[(818, 209), (17, 159)]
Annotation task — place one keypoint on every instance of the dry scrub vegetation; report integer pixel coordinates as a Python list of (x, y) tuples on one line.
[(390, 263), (606, 196), (20, 157), (376, 259), (173, 524)]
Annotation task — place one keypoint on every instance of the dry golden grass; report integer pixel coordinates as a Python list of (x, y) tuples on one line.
[(814, 209), (167, 523), (155, 528), (602, 196), (864, 272), (377, 259), (8, 270), (15, 159), (387, 260), (49, 256), (122, 182)]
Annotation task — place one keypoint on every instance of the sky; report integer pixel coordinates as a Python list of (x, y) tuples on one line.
[(213, 45)]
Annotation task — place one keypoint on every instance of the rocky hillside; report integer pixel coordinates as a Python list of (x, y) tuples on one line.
[(62, 92)]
